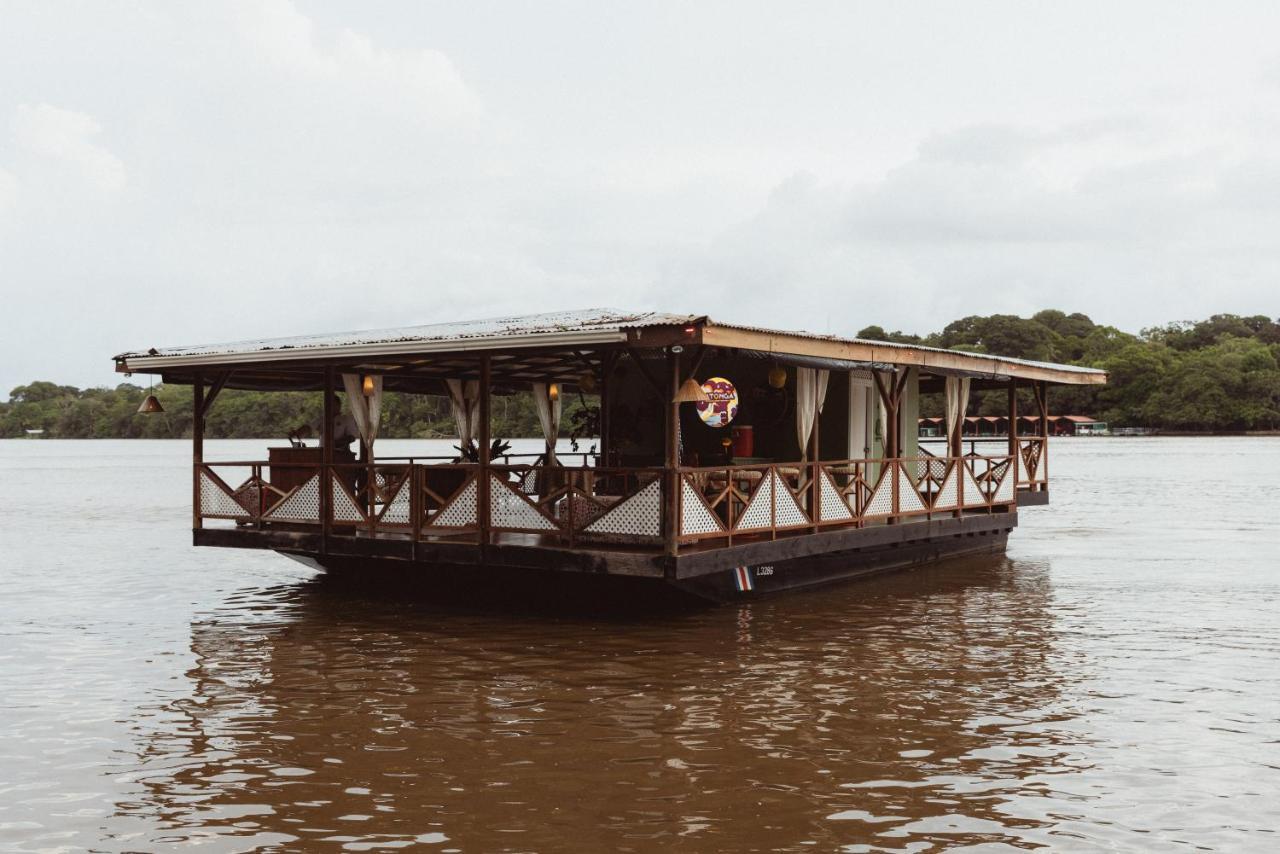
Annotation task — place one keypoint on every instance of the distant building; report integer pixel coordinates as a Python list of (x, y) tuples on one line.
[(1134, 431), (1028, 425)]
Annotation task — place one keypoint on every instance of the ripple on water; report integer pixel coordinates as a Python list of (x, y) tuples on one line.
[(1111, 684)]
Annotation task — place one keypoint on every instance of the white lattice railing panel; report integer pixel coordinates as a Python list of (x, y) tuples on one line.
[(772, 505), (216, 500), (301, 505), (831, 506), (695, 518), (948, 497), (881, 501), (637, 516), (759, 513), (397, 510), (938, 468), (345, 508), (510, 509), (1004, 491), (974, 494), (909, 501), (786, 511), (461, 510)]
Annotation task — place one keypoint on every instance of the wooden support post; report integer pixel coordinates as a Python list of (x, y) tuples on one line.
[(367, 498), (197, 448), (1013, 429), (815, 470), (1042, 400), (415, 504), (955, 437), (486, 368), (899, 388), (606, 371), (219, 382), (262, 494), (326, 460), (671, 497)]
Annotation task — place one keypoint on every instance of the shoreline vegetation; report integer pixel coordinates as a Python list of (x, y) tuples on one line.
[(1220, 375)]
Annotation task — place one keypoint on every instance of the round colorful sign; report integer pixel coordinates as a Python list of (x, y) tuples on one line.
[(723, 405)]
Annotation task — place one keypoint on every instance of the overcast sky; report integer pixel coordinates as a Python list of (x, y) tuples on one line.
[(176, 173)]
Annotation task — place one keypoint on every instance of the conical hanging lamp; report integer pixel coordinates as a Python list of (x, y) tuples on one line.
[(692, 392), (151, 403)]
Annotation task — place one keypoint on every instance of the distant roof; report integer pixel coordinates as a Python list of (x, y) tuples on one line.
[(1078, 419), (570, 329)]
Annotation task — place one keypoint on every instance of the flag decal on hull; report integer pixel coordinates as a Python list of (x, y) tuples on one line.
[(742, 577)]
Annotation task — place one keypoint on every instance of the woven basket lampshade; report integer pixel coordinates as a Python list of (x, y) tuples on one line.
[(691, 392)]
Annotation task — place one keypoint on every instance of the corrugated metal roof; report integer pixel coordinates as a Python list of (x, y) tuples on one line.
[(563, 328), (587, 320)]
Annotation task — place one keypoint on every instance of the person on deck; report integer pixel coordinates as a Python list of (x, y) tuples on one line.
[(345, 430)]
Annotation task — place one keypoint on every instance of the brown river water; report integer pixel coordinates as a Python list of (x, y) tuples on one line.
[(1112, 684)]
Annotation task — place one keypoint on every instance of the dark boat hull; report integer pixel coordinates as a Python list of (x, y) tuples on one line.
[(834, 567), (483, 584)]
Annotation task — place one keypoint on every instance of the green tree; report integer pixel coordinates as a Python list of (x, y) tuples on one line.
[(877, 333)]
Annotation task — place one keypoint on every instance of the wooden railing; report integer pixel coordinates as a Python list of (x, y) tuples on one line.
[(750, 501), (1033, 462), (587, 505)]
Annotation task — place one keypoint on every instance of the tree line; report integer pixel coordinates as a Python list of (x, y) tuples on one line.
[(66, 412), (1222, 373), (1219, 374)]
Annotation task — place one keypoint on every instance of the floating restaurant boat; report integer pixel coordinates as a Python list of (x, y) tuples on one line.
[(731, 460)]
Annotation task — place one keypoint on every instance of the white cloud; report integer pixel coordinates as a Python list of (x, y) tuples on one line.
[(68, 136), (305, 165), (423, 80), (1007, 218)]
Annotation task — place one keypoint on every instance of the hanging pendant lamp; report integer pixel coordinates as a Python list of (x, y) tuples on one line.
[(692, 392), (150, 403)]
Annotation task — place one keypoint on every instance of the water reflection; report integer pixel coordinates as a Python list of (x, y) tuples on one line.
[(907, 713)]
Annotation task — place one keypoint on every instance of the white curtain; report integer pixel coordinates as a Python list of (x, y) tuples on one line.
[(464, 400), (957, 394), (883, 412), (367, 411), (811, 394), (548, 417)]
